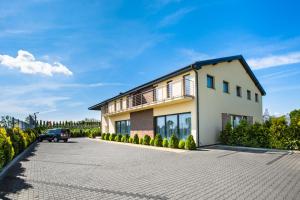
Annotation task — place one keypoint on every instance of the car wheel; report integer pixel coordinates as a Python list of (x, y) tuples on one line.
[(65, 140), (56, 139), (50, 140)]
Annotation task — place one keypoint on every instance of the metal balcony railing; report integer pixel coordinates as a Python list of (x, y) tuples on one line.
[(170, 91)]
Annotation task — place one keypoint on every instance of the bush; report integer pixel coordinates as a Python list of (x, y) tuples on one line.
[(6, 148), (125, 138), (152, 142), (141, 141), (118, 138), (130, 140), (107, 136), (103, 136), (173, 141), (112, 137), (181, 144), (135, 139), (158, 140), (147, 139), (190, 143), (165, 142)]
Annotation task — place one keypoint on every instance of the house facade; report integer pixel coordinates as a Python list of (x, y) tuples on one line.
[(199, 99)]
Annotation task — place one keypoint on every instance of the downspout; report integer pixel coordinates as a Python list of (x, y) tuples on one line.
[(197, 106)]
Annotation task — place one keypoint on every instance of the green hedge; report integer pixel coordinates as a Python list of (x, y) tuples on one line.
[(274, 133), (165, 142), (135, 139), (158, 140), (181, 144), (85, 132), (13, 142), (147, 139), (173, 141)]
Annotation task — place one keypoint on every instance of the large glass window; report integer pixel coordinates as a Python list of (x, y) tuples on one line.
[(185, 125), (171, 125), (160, 126), (178, 124), (123, 127)]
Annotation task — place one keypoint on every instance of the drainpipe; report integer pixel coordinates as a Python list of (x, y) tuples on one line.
[(197, 105)]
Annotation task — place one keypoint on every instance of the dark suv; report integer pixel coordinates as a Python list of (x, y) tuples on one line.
[(55, 135)]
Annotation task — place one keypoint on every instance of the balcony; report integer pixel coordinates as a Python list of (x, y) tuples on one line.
[(170, 93)]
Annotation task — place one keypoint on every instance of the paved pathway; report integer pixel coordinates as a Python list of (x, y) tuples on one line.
[(89, 169)]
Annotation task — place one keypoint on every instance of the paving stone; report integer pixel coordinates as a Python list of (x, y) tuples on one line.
[(89, 169)]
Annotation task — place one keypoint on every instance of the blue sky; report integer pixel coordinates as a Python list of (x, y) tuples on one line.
[(73, 54)]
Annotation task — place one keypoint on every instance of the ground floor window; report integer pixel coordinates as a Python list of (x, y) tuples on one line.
[(123, 127), (178, 124), (235, 120)]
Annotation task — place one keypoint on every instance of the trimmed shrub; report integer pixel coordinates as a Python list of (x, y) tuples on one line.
[(135, 139), (6, 148), (158, 140), (147, 139), (107, 136), (173, 141), (181, 144), (125, 138), (130, 140), (190, 143), (112, 137), (152, 142), (118, 138), (165, 142), (141, 141), (103, 136)]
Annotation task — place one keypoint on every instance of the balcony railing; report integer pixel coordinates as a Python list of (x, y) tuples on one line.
[(171, 91)]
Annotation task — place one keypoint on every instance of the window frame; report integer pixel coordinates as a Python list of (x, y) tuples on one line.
[(178, 123), (249, 95), (127, 127), (239, 91), (228, 90), (256, 97), (169, 89), (213, 81)]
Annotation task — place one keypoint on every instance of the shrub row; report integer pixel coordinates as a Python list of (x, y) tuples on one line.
[(14, 141), (157, 141), (85, 132), (274, 133)]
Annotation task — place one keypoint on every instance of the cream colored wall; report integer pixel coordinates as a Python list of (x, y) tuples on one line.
[(189, 106), (213, 102)]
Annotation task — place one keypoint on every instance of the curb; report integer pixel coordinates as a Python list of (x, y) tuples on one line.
[(19, 157), (254, 149), (143, 146)]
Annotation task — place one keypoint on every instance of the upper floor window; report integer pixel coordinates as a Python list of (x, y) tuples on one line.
[(121, 104), (248, 94), (115, 106), (225, 87), (256, 97), (169, 89), (210, 82), (238, 91), (187, 84)]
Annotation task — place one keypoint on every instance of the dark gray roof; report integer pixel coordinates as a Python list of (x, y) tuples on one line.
[(196, 65)]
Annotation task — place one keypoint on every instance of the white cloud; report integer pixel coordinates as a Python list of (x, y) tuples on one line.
[(191, 55), (27, 64), (175, 17), (274, 61)]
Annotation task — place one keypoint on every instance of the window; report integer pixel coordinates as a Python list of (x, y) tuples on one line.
[(235, 120), (225, 87), (248, 94), (169, 89), (187, 84), (123, 127), (121, 104), (171, 125), (115, 106), (160, 126), (256, 97), (210, 82), (178, 124), (238, 91)]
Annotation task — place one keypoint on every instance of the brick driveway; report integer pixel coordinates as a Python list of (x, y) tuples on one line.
[(89, 169)]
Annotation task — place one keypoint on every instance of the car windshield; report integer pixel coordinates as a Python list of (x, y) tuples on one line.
[(53, 131)]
